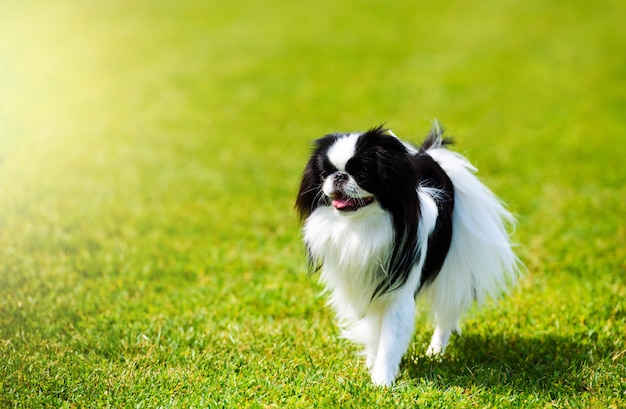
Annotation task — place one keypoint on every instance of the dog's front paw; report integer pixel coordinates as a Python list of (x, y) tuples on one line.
[(439, 342), (370, 360), (383, 376), (435, 350)]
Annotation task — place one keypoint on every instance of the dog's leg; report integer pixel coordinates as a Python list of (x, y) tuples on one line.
[(397, 327), (446, 322), (373, 323), (447, 311), (440, 339), (366, 332)]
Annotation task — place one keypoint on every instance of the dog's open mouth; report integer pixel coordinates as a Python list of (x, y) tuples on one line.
[(349, 204)]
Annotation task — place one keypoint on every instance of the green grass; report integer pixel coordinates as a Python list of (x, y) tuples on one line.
[(149, 159)]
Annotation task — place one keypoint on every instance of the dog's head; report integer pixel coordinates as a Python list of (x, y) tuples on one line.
[(353, 171)]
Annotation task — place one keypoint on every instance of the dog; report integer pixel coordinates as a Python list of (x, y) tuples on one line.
[(386, 222)]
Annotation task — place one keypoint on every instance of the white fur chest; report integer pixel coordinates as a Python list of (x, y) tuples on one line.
[(352, 248)]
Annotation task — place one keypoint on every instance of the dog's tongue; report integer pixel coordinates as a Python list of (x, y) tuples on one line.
[(342, 203)]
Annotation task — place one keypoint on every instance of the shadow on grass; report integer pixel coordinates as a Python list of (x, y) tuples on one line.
[(546, 365)]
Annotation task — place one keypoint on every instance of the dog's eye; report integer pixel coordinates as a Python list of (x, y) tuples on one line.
[(361, 177), (323, 174)]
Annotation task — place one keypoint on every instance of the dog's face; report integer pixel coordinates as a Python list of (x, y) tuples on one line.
[(353, 171), (346, 176)]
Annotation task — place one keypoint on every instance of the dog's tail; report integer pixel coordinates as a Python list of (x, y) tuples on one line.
[(435, 138), (481, 262)]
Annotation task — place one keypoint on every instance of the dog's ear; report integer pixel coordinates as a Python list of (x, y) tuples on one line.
[(309, 189), (310, 195)]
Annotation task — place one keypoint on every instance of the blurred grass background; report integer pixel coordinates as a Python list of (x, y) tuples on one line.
[(149, 158)]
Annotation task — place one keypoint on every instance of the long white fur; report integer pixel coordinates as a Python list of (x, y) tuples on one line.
[(353, 247), (480, 262)]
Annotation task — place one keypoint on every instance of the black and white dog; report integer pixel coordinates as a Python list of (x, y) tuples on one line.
[(387, 222)]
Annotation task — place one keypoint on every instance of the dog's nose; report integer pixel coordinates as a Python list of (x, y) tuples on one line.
[(341, 178)]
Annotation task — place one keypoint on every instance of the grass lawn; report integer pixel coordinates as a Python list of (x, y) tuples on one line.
[(149, 159)]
